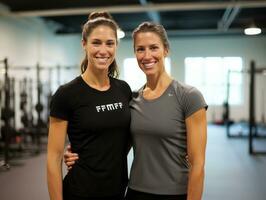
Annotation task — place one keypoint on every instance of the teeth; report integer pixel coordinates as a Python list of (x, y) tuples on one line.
[(147, 65), (102, 59)]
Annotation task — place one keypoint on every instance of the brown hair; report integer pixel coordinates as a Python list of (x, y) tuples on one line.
[(97, 19), (154, 28)]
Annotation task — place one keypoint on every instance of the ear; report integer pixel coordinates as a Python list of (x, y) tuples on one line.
[(83, 42), (166, 52)]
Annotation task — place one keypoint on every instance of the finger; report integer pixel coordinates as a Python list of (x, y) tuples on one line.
[(70, 163), (69, 168), (68, 147), (70, 156), (71, 159)]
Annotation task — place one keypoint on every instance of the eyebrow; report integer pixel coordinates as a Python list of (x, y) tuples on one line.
[(96, 39), (148, 45)]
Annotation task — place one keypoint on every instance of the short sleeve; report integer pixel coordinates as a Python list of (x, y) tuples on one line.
[(59, 107), (193, 101), (126, 90)]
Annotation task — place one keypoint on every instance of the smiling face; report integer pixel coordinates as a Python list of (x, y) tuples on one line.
[(100, 48), (150, 53)]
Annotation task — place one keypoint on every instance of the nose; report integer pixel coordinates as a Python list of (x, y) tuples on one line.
[(147, 55), (102, 50)]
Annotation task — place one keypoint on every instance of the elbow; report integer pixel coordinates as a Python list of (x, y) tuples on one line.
[(198, 165), (54, 163), (197, 171)]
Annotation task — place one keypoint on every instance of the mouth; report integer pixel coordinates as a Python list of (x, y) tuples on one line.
[(148, 65), (102, 60)]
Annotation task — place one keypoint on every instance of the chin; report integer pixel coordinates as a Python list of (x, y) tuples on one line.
[(149, 72), (103, 67)]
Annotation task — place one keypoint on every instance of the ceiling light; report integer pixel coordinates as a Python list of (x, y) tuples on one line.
[(252, 31), (120, 34)]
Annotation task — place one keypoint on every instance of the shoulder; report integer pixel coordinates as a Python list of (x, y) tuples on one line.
[(73, 83), (122, 85), (182, 87), (185, 90), (189, 97), (67, 88)]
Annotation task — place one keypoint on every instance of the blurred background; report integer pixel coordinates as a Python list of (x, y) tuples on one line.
[(218, 46)]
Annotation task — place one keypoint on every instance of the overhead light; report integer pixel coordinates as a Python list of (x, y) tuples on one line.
[(120, 34), (252, 31)]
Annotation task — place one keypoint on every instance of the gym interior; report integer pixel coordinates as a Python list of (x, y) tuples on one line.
[(40, 49)]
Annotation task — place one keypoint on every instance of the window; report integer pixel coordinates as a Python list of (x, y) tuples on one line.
[(133, 74), (210, 76)]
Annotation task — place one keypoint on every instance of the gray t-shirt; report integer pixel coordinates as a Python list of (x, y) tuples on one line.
[(160, 140)]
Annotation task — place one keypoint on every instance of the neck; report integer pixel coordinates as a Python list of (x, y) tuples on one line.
[(159, 80), (96, 78)]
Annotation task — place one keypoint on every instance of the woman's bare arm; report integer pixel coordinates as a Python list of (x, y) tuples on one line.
[(196, 141), (55, 149)]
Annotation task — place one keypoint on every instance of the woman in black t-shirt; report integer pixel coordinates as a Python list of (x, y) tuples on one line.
[(93, 110)]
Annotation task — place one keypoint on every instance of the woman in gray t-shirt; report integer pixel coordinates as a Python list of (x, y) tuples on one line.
[(168, 126), (168, 123)]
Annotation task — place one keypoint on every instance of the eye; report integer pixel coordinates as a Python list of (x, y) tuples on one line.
[(96, 42), (110, 43), (154, 48), (139, 49)]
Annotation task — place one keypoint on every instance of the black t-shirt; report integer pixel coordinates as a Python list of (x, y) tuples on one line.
[(98, 130)]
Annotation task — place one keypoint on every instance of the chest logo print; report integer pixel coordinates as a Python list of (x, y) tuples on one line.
[(170, 94), (109, 107)]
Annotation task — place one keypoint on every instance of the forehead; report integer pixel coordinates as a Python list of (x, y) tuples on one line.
[(102, 31), (147, 38)]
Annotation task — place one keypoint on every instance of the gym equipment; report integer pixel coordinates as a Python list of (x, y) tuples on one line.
[(26, 117), (6, 115), (9, 134), (41, 126), (251, 126), (28, 101)]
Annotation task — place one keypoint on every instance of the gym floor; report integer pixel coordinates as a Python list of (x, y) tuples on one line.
[(231, 173)]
